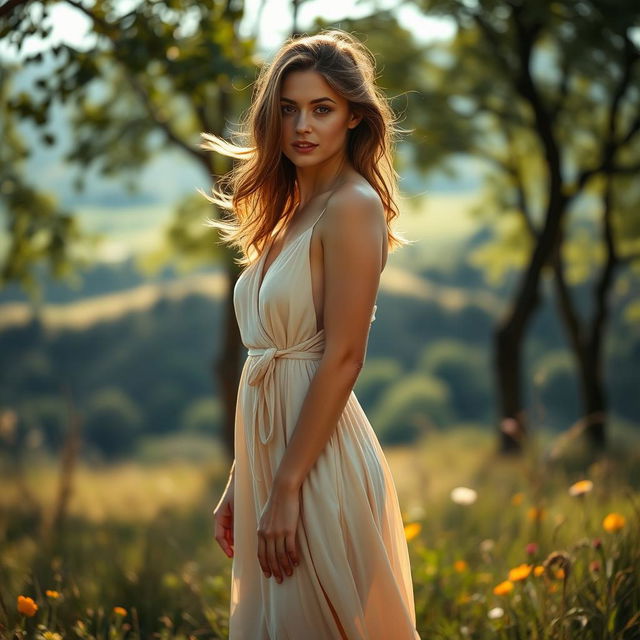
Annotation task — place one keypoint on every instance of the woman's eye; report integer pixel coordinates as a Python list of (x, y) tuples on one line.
[(322, 106)]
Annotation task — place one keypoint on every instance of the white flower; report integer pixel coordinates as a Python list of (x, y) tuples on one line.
[(487, 545), (463, 495), (495, 613)]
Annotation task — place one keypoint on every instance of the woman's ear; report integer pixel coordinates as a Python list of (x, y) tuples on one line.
[(354, 120)]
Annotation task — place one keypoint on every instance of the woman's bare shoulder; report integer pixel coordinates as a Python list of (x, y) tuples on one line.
[(354, 203)]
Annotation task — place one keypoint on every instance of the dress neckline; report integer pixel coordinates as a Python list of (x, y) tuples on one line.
[(262, 275)]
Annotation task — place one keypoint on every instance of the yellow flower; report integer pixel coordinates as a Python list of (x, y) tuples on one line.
[(412, 530), (536, 513), (520, 572), (580, 488), (51, 635), (27, 606), (613, 522), (460, 566), (51, 593), (503, 588), (517, 498), (538, 571), (120, 611)]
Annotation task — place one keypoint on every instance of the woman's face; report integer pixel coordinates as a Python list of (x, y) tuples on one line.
[(312, 112)]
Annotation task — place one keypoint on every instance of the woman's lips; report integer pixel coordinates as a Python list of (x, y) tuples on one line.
[(304, 149)]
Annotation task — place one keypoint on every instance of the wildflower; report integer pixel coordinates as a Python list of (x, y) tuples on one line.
[(51, 593), (580, 488), (553, 587), (487, 545), (536, 514), (538, 571), (495, 613), (594, 565), (464, 495), (517, 498), (27, 606), (559, 573), (503, 588), (120, 611), (460, 566), (520, 572), (596, 543), (412, 530), (558, 558), (613, 522), (532, 548), (50, 635)]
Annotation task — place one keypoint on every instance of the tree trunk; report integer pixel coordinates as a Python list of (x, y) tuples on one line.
[(509, 337)]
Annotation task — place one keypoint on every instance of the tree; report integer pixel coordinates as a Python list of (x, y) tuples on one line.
[(153, 77), (547, 94)]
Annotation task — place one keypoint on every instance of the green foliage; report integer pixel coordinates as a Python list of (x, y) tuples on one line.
[(466, 370), (39, 232), (411, 407), (113, 422), (378, 373), (154, 77), (203, 415), (555, 382)]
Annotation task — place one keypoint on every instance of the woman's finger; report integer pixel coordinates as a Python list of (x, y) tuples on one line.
[(290, 545), (283, 557), (262, 556), (272, 558)]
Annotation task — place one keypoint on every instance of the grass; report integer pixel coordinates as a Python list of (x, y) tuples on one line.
[(135, 554)]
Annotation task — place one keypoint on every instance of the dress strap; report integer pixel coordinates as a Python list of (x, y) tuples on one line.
[(320, 216)]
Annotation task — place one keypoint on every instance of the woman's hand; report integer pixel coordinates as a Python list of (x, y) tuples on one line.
[(277, 528), (223, 519)]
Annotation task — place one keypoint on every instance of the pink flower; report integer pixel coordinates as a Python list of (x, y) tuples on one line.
[(532, 548)]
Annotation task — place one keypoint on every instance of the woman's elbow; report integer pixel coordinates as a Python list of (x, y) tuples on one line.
[(347, 359)]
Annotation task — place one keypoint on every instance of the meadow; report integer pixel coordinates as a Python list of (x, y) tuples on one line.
[(544, 546)]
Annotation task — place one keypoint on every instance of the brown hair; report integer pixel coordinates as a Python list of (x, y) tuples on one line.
[(263, 184)]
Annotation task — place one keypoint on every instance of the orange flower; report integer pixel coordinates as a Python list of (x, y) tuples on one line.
[(536, 513), (412, 530), (503, 588), (27, 606), (520, 572), (538, 571), (120, 611), (553, 587), (580, 488), (559, 573), (613, 522), (51, 593), (517, 498), (460, 566)]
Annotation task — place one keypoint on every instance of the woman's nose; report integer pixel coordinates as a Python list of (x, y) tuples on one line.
[(302, 123)]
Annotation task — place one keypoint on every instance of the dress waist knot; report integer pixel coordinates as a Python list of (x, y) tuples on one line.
[(261, 374)]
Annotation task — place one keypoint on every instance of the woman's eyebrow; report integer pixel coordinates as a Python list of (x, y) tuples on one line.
[(310, 101)]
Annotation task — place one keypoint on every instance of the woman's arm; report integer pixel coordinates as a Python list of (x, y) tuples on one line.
[(353, 240)]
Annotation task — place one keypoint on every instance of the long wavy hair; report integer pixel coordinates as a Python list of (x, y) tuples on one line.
[(261, 190)]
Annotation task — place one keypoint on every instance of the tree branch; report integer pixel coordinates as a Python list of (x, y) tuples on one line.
[(108, 30)]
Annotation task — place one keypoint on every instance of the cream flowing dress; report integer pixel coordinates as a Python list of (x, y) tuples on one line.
[(350, 536)]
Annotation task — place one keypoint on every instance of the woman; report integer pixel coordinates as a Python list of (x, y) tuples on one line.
[(310, 513)]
